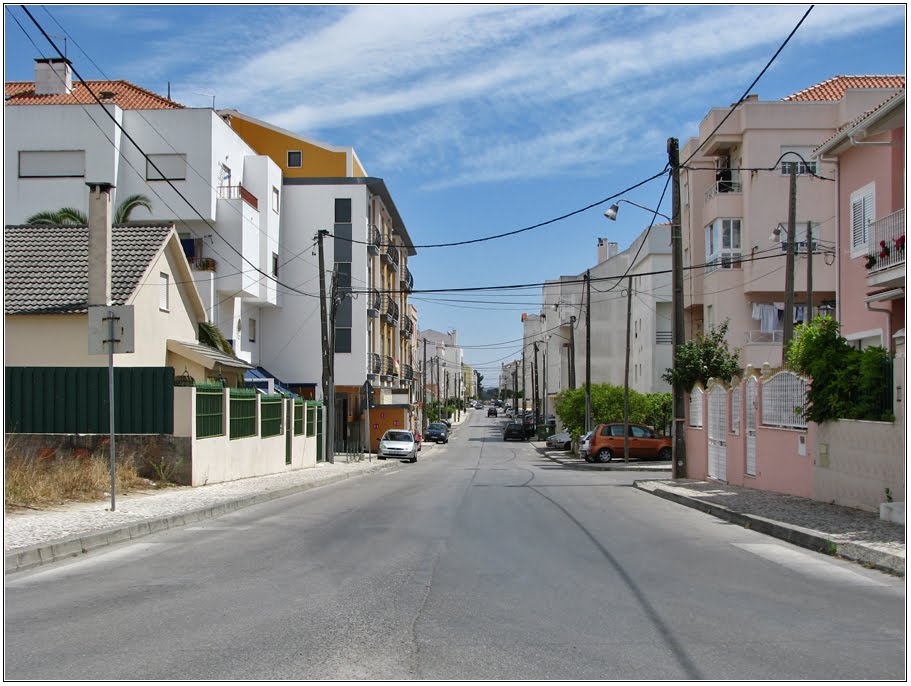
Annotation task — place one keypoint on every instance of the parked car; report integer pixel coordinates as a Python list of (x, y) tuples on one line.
[(584, 446), (491, 411), (644, 443), (397, 443), (437, 432), (446, 422), (561, 441), (514, 430)]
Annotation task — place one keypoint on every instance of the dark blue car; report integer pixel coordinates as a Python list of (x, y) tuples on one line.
[(437, 432)]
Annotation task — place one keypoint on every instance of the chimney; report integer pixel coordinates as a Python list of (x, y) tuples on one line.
[(606, 249), (99, 244), (53, 76)]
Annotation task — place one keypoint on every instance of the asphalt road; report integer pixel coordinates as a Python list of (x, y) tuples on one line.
[(483, 561)]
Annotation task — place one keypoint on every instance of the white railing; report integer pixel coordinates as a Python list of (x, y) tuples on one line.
[(784, 401), (722, 186), (756, 336), (887, 241)]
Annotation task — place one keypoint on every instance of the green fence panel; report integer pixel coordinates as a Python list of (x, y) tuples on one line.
[(298, 416), (270, 415), (210, 410), (243, 413), (76, 400)]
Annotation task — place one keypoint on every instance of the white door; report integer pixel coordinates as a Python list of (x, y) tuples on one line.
[(718, 426), (752, 410)]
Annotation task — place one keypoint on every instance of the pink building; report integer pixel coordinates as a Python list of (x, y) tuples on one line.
[(870, 155), (735, 207)]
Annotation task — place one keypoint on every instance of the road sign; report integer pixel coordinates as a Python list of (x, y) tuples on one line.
[(100, 338)]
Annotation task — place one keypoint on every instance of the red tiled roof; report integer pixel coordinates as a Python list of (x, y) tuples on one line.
[(834, 89), (126, 95), (857, 120)]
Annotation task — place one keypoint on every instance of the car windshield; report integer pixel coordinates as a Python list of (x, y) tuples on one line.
[(397, 436), (437, 426)]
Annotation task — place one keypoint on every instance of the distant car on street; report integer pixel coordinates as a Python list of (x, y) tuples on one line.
[(398, 443), (514, 430), (437, 432), (560, 441), (491, 412)]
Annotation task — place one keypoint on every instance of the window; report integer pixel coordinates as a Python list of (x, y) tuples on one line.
[(799, 159), (51, 163), (275, 199), (251, 330), (722, 245), (166, 167), (164, 292), (295, 159), (342, 340), (862, 214), (275, 265)]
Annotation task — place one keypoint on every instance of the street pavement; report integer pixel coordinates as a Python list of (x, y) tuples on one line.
[(36, 537)]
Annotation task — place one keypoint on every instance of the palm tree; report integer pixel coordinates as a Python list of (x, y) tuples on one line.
[(70, 215)]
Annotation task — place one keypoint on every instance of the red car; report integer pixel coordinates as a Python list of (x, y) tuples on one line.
[(644, 443)]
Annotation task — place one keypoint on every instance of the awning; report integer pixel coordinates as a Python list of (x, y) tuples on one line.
[(206, 356)]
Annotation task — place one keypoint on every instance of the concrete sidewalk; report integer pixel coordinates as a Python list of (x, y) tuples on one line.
[(570, 460)]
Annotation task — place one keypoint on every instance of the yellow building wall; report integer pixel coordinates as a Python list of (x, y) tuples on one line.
[(315, 160)]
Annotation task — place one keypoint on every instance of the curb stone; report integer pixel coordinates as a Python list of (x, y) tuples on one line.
[(805, 538)]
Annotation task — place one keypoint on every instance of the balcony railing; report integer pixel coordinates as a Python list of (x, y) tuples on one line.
[(203, 264), (389, 308), (374, 363), (407, 279), (407, 372), (729, 182), (373, 243), (391, 253), (757, 336), (235, 192), (887, 241), (407, 327), (373, 303), (388, 366)]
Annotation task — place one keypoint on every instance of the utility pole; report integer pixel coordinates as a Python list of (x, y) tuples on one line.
[(629, 315), (424, 392), (810, 254), (534, 376), (788, 332), (523, 382), (324, 330), (572, 353), (679, 466), (544, 364), (588, 351)]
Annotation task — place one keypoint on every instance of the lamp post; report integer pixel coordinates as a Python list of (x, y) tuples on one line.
[(679, 460)]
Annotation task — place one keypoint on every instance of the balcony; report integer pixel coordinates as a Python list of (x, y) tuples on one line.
[(235, 192), (388, 368), (391, 255), (728, 181), (373, 240), (407, 327), (886, 251), (374, 364), (389, 309), (202, 264), (407, 372), (407, 280), (756, 336), (373, 303)]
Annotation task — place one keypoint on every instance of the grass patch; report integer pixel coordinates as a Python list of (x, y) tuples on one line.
[(32, 482)]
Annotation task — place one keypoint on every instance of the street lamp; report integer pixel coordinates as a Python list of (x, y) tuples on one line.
[(613, 209)]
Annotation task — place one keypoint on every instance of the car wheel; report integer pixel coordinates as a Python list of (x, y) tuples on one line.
[(665, 454), (587, 458), (414, 458), (605, 455)]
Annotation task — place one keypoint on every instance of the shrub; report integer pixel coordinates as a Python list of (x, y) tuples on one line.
[(704, 358)]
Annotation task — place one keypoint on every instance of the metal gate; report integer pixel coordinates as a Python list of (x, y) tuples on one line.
[(752, 411), (718, 426)]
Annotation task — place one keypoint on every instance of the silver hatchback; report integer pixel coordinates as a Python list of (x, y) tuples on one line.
[(397, 443)]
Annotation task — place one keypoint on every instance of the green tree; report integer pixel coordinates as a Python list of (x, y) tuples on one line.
[(70, 215), (846, 383), (653, 409), (704, 358)]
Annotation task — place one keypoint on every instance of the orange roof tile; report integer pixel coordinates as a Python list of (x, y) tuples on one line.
[(834, 89), (126, 95)]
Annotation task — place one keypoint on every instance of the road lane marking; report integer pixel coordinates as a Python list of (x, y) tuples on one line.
[(809, 564)]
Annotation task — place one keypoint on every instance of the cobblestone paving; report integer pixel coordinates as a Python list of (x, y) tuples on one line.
[(841, 524)]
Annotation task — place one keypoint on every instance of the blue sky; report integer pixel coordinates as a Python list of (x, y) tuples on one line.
[(482, 119)]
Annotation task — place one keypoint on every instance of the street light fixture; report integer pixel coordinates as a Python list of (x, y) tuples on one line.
[(613, 209)]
